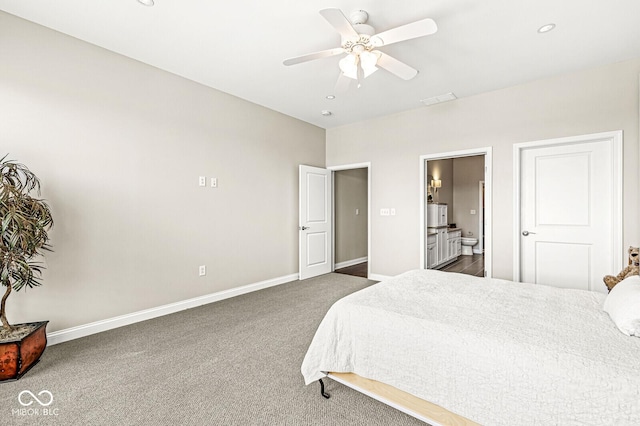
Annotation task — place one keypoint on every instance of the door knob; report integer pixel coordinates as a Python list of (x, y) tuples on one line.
[(525, 233), (302, 228)]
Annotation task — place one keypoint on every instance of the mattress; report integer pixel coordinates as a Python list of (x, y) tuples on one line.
[(495, 351)]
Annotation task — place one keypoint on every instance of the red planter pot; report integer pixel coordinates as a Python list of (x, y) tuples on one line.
[(18, 356)]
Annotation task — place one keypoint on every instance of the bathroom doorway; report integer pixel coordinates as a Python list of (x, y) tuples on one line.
[(481, 216), (460, 184)]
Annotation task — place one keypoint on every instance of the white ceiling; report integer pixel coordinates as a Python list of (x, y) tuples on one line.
[(238, 46)]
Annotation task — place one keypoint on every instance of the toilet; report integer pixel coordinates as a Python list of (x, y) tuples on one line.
[(467, 245)]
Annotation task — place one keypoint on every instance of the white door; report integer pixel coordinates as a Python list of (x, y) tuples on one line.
[(567, 211), (315, 222)]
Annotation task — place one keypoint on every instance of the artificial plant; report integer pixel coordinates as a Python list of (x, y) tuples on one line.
[(24, 222)]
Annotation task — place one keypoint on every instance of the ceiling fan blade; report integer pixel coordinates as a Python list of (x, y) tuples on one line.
[(312, 56), (416, 29), (340, 22), (342, 84), (396, 67)]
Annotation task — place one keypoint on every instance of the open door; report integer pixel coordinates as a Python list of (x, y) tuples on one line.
[(315, 248)]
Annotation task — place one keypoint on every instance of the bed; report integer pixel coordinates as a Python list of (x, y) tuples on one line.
[(482, 351)]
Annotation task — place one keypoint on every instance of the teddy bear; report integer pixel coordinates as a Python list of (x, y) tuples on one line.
[(634, 260)]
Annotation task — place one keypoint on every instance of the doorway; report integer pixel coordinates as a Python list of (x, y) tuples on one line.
[(481, 216), (472, 220), (317, 218), (351, 219)]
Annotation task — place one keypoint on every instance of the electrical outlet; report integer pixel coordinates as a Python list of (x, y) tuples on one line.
[(202, 270), (214, 182), (202, 181), (357, 212)]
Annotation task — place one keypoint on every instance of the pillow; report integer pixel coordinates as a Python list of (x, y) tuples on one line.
[(623, 305)]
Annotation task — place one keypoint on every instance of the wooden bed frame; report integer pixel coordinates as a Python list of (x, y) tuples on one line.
[(403, 401)]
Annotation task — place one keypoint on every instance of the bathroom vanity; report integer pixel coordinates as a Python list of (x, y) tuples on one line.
[(444, 244)]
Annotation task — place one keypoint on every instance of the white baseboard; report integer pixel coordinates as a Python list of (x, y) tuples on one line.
[(127, 319), (378, 277), (350, 262)]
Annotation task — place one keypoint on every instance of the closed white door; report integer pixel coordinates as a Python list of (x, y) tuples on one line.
[(315, 222), (567, 211)]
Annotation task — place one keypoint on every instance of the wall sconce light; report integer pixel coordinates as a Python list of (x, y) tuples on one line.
[(435, 184)]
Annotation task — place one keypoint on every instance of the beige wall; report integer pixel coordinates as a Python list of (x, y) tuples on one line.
[(467, 173), (350, 193), (590, 101), (119, 146), (443, 170)]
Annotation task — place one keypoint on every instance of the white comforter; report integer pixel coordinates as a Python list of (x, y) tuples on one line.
[(494, 351)]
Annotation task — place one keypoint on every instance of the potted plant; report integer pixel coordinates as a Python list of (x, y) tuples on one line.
[(24, 222)]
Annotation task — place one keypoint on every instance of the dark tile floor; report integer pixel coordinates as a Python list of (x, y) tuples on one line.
[(470, 265), (359, 270)]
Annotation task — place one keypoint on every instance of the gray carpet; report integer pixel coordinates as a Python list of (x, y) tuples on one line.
[(234, 362)]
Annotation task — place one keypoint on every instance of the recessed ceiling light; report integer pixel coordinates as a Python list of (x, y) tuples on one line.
[(546, 28), (146, 2), (326, 113), (330, 97)]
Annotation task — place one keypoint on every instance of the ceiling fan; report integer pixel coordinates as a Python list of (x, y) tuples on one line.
[(360, 41)]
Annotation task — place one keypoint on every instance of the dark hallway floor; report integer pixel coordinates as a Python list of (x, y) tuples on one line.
[(470, 265), (359, 270)]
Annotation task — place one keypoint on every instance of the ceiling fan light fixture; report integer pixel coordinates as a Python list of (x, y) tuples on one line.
[(369, 71), (359, 40), (368, 63), (349, 66), (351, 73)]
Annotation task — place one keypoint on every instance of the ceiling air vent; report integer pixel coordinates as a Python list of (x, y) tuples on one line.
[(440, 98)]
